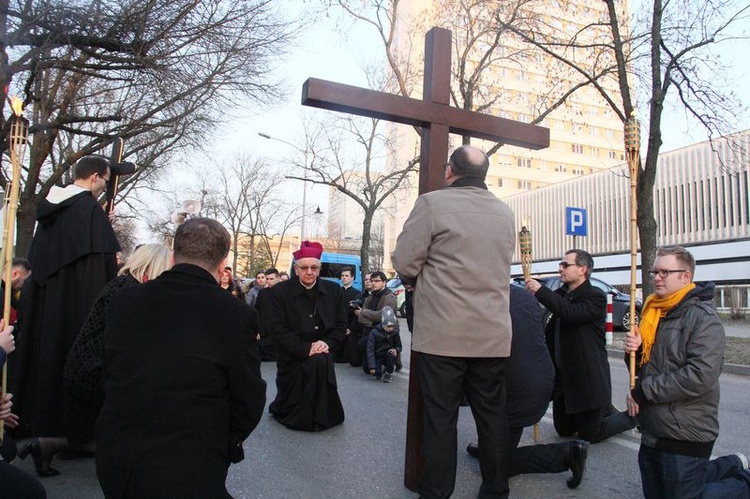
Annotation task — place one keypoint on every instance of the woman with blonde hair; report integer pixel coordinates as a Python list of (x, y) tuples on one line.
[(83, 376)]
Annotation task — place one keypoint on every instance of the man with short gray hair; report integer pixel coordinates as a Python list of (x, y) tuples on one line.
[(456, 246)]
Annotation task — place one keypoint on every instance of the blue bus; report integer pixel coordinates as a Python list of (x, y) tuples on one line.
[(333, 263)]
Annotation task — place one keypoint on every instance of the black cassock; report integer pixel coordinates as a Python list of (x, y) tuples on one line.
[(72, 255), (307, 396)]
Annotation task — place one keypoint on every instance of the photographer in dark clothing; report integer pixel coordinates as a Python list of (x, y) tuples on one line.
[(371, 311)]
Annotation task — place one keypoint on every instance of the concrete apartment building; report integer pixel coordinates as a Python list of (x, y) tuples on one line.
[(586, 136)]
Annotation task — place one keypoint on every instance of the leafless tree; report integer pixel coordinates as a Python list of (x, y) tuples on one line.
[(158, 73), (668, 54), (348, 154), (244, 194), (665, 52)]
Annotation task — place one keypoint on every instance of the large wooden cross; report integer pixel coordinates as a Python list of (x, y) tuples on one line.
[(436, 119)]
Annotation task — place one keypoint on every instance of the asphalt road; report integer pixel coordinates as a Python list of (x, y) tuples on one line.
[(364, 457)]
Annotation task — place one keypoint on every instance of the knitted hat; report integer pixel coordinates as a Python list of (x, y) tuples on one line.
[(388, 317)]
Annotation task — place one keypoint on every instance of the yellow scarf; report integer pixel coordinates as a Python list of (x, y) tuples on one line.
[(654, 309)]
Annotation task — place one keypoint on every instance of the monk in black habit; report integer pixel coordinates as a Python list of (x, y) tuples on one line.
[(182, 374), (308, 324), (72, 255)]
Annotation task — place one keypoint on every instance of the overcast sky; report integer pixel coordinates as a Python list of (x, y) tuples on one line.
[(324, 53)]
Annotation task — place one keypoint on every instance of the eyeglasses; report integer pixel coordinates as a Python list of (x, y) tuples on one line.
[(305, 268), (663, 273), (565, 265), (376, 280)]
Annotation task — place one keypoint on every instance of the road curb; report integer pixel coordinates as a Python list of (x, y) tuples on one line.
[(736, 369)]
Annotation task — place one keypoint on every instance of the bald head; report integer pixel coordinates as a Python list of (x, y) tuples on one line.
[(468, 161)]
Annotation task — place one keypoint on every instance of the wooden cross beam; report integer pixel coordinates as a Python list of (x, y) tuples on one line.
[(437, 119)]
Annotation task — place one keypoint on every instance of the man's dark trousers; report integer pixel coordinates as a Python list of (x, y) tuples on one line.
[(443, 380), (593, 426), (673, 476), (547, 458)]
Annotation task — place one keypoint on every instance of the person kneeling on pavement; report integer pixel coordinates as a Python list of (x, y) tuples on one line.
[(384, 345), (530, 376)]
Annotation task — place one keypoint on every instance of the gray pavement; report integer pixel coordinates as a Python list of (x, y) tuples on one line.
[(738, 329), (364, 457)]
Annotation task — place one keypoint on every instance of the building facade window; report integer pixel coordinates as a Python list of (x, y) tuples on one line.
[(523, 162)]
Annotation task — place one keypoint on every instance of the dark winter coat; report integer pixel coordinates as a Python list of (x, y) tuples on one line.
[(579, 352), (183, 387), (84, 369), (379, 343), (678, 389), (529, 372)]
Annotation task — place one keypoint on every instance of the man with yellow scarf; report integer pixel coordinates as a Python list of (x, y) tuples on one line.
[(679, 352)]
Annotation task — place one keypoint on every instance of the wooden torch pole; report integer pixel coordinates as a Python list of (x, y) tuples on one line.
[(524, 248), (632, 149), (18, 133)]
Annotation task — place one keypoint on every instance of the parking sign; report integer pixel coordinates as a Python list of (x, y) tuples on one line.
[(575, 221)]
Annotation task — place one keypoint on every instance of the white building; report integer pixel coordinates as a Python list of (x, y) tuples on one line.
[(585, 134), (701, 201)]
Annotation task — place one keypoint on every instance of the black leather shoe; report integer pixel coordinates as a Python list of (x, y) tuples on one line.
[(577, 462), (473, 450), (41, 464)]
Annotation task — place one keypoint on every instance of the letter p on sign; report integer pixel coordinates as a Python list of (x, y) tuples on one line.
[(576, 222)]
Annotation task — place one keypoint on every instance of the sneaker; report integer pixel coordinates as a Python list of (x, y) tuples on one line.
[(742, 459), (387, 378)]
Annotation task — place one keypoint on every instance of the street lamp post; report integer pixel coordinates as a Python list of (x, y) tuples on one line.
[(304, 183)]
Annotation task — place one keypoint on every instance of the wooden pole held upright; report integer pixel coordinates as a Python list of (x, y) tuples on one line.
[(524, 248), (632, 149), (18, 134)]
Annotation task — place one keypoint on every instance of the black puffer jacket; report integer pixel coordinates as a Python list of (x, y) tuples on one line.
[(678, 389)]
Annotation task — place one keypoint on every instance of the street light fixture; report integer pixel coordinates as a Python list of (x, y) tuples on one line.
[(304, 183)]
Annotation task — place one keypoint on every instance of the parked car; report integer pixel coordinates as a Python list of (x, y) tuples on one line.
[(620, 300), (398, 290)]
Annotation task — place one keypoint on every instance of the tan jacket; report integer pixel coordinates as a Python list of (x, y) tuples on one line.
[(458, 243)]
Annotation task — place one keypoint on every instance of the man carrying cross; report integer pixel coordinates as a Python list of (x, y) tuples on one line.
[(456, 246)]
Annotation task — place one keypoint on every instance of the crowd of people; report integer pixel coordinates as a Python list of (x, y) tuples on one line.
[(153, 368)]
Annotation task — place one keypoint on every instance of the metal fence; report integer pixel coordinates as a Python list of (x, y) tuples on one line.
[(734, 300)]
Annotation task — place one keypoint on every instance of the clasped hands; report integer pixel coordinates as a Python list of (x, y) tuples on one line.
[(318, 347)]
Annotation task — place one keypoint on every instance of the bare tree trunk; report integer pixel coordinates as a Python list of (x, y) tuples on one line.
[(364, 251), (646, 221), (25, 220)]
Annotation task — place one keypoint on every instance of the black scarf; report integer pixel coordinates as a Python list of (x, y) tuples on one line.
[(376, 299), (469, 182)]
